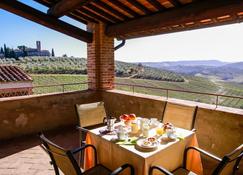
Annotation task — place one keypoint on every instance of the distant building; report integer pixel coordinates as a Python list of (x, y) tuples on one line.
[(25, 51), (14, 82)]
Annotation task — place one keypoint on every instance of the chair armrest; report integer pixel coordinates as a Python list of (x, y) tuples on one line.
[(201, 151), (123, 167), (163, 170), (74, 151)]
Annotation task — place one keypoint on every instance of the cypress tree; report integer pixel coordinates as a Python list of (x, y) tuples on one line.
[(25, 53), (52, 52), (5, 50)]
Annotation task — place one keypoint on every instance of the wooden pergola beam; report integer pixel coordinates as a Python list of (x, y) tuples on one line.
[(139, 6), (156, 4), (194, 12), (63, 7), (39, 17)]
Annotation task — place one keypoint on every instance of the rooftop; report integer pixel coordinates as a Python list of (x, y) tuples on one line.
[(13, 74)]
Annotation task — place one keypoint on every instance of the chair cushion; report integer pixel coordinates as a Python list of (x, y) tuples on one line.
[(91, 113), (98, 170), (182, 171)]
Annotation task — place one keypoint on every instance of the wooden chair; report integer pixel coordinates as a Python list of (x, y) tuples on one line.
[(64, 160), (229, 164), (180, 115), (90, 114)]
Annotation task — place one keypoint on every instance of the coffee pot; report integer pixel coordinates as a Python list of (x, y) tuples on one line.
[(110, 123)]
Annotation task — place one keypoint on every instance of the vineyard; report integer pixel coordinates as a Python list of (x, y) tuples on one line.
[(191, 83), (71, 65), (57, 81)]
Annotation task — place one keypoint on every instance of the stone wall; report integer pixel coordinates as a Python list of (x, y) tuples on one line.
[(218, 131), (121, 102), (31, 114)]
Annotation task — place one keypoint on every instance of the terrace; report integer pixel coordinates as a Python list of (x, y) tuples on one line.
[(219, 130)]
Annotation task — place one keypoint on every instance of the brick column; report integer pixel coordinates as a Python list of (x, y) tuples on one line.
[(100, 62)]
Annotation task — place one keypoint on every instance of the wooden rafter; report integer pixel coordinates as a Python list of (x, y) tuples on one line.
[(102, 13), (139, 6), (124, 8), (175, 3), (39, 17), (194, 12), (109, 8), (76, 15), (63, 7), (93, 15), (156, 5)]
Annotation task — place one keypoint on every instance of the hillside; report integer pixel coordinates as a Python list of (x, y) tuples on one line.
[(64, 65), (213, 63), (210, 68), (192, 83)]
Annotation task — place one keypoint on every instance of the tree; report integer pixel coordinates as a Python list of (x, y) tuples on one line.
[(12, 54), (52, 52), (24, 51), (1, 50), (5, 51)]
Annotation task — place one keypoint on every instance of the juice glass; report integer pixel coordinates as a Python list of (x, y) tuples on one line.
[(159, 131)]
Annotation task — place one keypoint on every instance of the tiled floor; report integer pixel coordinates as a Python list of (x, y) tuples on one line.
[(24, 156)]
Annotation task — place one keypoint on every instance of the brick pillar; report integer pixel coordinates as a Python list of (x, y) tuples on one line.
[(100, 63)]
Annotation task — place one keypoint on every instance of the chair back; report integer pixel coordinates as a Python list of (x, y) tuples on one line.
[(90, 114), (180, 115), (61, 158), (230, 162)]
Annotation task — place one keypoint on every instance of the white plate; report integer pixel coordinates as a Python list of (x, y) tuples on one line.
[(140, 143)]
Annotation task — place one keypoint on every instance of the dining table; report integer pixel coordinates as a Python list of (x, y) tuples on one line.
[(169, 155)]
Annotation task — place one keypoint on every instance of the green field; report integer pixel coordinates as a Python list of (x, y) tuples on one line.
[(56, 79), (192, 83)]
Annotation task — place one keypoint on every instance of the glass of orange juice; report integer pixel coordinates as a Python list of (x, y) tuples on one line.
[(159, 131)]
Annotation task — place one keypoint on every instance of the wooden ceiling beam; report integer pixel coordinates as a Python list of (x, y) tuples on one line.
[(139, 6), (79, 17), (157, 5), (194, 12), (110, 9), (63, 7), (176, 3), (124, 8), (102, 13), (93, 15), (39, 17), (75, 15)]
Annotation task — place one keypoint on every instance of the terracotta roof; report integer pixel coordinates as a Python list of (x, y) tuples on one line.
[(13, 74)]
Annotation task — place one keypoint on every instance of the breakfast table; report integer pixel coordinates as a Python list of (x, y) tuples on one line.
[(169, 155)]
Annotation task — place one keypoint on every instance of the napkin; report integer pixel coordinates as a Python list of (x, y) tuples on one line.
[(129, 141)]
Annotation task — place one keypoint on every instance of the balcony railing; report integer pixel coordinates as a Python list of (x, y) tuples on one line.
[(65, 87), (203, 97)]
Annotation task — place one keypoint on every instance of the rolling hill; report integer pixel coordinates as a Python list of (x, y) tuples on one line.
[(65, 65), (210, 68)]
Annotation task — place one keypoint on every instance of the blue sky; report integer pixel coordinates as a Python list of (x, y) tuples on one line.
[(222, 43)]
